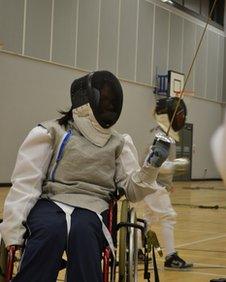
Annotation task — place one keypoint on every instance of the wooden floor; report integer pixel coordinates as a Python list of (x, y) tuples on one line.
[(200, 233)]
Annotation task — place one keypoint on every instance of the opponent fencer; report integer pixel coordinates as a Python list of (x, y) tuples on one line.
[(158, 207)]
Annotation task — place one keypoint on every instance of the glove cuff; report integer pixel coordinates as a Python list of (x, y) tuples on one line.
[(148, 174)]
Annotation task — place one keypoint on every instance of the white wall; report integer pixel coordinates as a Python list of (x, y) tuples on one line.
[(32, 91), (206, 116), (131, 38)]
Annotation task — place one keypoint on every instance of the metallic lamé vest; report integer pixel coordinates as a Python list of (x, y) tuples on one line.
[(80, 173)]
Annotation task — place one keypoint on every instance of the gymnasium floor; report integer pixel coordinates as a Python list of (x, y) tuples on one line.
[(200, 233)]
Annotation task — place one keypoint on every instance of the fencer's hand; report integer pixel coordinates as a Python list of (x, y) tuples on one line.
[(159, 151)]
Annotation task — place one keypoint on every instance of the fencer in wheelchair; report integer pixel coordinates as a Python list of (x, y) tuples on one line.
[(65, 175)]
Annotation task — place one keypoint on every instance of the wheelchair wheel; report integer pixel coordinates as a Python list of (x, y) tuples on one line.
[(128, 254), (133, 251), (123, 251)]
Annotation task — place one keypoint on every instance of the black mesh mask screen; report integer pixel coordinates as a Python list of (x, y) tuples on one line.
[(106, 97), (168, 106), (103, 91)]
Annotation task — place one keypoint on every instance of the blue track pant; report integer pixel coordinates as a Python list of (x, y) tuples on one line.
[(42, 258)]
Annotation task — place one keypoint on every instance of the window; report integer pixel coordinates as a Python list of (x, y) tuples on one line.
[(218, 13), (201, 9)]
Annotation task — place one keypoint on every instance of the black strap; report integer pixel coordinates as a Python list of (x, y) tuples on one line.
[(155, 265)]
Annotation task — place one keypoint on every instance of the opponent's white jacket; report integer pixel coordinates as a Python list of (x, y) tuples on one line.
[(158, 207), (31, 167)]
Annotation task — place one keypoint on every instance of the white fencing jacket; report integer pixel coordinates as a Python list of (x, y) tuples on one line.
[(30, 170)]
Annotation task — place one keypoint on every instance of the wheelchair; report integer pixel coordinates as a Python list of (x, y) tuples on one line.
[(124, 267), (121, 267)]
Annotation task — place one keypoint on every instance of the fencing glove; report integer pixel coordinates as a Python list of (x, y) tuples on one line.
[(158, 153)]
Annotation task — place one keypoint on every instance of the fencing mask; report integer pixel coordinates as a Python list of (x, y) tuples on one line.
[(103, 91), (97, 100), (164, 112)]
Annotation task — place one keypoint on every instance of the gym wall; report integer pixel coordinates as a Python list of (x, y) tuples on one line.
[(47, 43)]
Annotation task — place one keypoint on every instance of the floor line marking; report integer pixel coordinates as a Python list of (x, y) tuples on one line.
[(210, 265), (201, 241), (207, 273)]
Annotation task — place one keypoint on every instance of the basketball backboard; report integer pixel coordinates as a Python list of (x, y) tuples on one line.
[(175, 83)]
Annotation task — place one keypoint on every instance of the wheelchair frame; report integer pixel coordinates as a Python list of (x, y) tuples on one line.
[(128, 252)]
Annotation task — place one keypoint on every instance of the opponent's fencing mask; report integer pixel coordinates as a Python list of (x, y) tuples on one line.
[(164, 112), (97, 104)]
